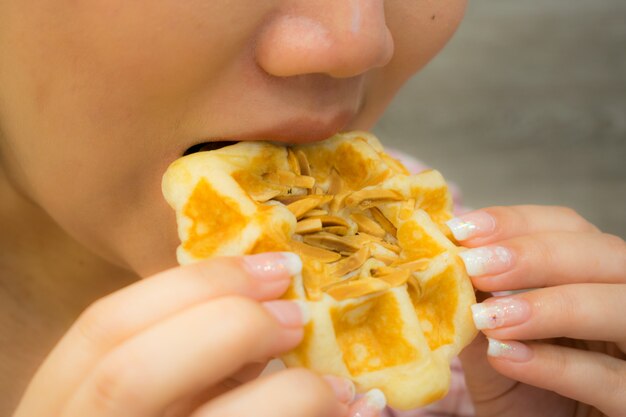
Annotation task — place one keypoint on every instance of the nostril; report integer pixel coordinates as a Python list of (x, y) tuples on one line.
[(207, 146)]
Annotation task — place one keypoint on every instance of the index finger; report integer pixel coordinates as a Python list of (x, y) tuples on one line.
[(493, 224), (117, 317)]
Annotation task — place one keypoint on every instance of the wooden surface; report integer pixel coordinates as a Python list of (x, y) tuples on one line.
[(526, 105)]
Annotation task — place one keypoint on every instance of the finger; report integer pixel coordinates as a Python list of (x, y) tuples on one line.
[(483, 382), (185, 406), (547, 259), (343, 388), (589, 377), (120, 315), (371, 404), (493, 224), (294, 392), (187, 353), (577, 311)]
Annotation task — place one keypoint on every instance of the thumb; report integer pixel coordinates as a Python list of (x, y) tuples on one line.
[(484, 383)]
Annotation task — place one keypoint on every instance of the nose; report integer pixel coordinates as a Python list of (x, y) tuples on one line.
[(340, 38)]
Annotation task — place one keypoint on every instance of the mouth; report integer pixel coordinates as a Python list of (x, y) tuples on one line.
[(208, 146), (294, 131)]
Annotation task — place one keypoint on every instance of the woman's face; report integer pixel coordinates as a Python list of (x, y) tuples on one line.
[(98, 97)]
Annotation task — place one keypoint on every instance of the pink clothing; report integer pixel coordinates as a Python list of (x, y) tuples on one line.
[(457, 403)]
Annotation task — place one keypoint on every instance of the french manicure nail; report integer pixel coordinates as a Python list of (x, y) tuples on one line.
[(500, 312), (471, 225), (289, 313), (371, 405), (344, 389), (271, 266), (487, 260), (511, 350)]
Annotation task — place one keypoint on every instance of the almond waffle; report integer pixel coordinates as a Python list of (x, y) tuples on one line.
[(388, 295)]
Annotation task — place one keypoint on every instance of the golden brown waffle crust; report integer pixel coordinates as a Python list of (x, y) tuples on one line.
[(388, 294)]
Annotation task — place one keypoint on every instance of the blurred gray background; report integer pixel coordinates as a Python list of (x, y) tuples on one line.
[(527, 104)]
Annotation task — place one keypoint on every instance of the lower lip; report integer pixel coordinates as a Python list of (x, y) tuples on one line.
[(302, 130)]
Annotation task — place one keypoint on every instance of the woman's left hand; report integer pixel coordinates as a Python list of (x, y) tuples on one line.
[(559, 348)]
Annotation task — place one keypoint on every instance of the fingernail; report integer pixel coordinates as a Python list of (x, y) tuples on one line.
[(371, 405), (471, 225), (513, 351), (487, 260), (344, 389), (289, 313), (500, 312), (271, 266)]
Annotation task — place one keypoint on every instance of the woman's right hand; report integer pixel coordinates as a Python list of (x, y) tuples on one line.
[(188, 342)]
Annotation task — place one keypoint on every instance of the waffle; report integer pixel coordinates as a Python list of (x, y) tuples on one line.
[(388, 295)]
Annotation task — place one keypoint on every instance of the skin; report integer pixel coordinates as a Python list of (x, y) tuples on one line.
[(96, 99)]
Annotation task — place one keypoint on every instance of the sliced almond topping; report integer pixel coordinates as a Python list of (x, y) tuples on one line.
[(308, 226), (357, 288), (315, 212), (396, 278), (287, 199), (336, 230), (415, 266), (336, 183), (303, 205), (390, 246), (367, 225), (303, 161), (371, 267), (294, 164), (304, 181), (371, 197), (383, 270), (361, 239), (338, 202), (387, 260), (330, 220), (383, 221), (331, 242), (266, 194), (415, 285), (349, 264), (320, 254), (289, 179)]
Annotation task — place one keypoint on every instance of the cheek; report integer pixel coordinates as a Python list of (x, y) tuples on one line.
[(97, 93), (422, 28)]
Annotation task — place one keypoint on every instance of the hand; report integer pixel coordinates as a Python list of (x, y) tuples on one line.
[(572, 323), (187, 342)]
